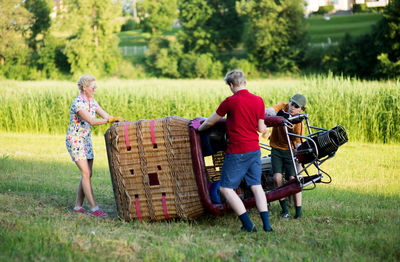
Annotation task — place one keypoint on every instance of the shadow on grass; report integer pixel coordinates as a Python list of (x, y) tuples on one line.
[(54, 184)]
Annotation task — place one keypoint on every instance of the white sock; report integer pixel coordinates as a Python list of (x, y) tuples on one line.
[(95, 208), (77, 207)]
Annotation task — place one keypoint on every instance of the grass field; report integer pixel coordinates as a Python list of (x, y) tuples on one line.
[(355, 218), (369, 111), (338, 26)]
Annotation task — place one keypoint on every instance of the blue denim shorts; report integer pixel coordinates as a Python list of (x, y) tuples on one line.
[(239, 166)]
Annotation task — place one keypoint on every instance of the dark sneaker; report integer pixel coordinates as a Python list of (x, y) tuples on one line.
[(286, 216), (80, 210), (268, 229), (254, 229)]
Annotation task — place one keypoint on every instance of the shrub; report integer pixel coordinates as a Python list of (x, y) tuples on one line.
[(206, 67), (126, 70), (360, 8), (388, 68), (194, 65), (247, 67), (129, 25), (187, 65), (51, 59), (324, 9), (355, 56), (163, 56), (314, 58)]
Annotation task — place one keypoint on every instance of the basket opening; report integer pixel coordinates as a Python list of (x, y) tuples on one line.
[(132, 172), (153, 179)]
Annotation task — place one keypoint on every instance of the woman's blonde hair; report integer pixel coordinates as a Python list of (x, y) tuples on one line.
[(85, 80)]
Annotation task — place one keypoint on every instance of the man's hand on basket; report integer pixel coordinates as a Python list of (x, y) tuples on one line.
[(196, 123), (115, 119)]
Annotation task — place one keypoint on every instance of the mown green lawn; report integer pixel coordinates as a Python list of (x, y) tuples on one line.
[(139, 38), (337, 26), (319, 29), (355, 218)]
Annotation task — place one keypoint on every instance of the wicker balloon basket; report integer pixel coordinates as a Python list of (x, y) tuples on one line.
[(151, 169)]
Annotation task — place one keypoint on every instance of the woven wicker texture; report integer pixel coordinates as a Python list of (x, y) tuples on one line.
[(153, 178)]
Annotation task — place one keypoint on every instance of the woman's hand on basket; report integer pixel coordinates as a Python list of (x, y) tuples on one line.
[(115, 119)]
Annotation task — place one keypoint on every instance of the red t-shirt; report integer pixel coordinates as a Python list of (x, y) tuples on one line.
[(244, 110)]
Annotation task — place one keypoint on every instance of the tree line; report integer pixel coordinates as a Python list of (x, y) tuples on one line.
[(41, 40)]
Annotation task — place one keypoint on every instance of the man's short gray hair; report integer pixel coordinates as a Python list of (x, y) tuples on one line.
[(85, 80), (236, 78)]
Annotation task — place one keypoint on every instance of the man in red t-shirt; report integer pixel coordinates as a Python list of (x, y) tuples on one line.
[(245, 117)]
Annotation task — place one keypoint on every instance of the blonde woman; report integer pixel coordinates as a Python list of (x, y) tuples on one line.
[(82, 115)]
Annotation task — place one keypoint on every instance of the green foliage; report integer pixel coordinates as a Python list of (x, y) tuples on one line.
[(51, 58), (324, 9), (375, 55), (40, 10), (360, 8), (199, 66), (243, 64), (387, 35), (353, 57), (126, 70), (163, 56), (186, 65), (18, 68), (206, 67), (193, 16), (363, 8), (94, 47), (157, 16), (129, 25), (276, 33), (388, 68), (225, 24), (15, 23), (210, 26)]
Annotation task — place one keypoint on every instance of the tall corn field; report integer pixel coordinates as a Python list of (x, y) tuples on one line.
[(370, 111)]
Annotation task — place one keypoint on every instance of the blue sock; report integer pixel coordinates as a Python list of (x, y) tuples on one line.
[(265, 220), (298, 212), (246, 222), (284, 206)]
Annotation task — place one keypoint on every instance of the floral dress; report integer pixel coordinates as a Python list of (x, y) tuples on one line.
[(79, 139)]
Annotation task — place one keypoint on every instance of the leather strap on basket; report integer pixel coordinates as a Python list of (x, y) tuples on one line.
[(126, 127), (153, 139), (138, 208), (164, 204)]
